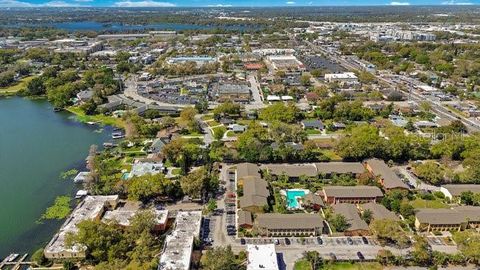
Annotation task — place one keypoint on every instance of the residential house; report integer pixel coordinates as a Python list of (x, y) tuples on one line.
[(313, 124)]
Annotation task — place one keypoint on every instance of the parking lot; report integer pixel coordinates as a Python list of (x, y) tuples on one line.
[(311, 241)]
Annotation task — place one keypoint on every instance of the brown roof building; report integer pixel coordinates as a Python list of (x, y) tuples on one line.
[(255, 194), (351, 194), (357, 225), (379, 211), (387, 178), (453, 219), (291, 170), (303, 224), (330, 168)]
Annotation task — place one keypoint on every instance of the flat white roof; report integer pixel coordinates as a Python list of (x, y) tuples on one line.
[(345, 75), (262, 257), (88, 209), (177, 251)]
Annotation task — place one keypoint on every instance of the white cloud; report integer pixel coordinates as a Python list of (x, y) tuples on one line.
[(14, 3), (59, 4), (220, 5), (399, 4), (455, 3), (83, 1), (146, 3), (290, 3)]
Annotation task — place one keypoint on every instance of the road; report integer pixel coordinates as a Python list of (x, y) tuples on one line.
[(208, 134), (414, 181), (256, 94), (437, 107)]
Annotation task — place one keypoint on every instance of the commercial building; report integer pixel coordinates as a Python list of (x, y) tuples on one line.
[(199, 60), (345, 77), (178, 248), (237, 92), (302, 224), (286, 63), (357, 226), (454, 191), (262, 257), (387, 178), (125, 211), (351, 194)]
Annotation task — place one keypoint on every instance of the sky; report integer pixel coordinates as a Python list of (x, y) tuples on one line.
[(225, 3)]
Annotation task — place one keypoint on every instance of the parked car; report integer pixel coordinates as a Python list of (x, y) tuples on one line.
[(276, 242), (287, 241), (350, 241), (319, 241), (360, 256), (365, 240), (242, 241)]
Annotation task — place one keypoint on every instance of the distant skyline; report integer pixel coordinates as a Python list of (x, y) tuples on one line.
[(225, 3)]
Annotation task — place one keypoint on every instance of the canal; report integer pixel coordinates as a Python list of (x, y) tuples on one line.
[(36, 146)]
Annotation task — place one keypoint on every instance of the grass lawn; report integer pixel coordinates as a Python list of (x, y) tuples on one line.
[(219, 130), (302, 265), (332, 155), (421, 203), (104, 119), (353, 266), (11, 90), (176, 171), (230, 134), (313, 131), (207, 117), (213, 123)]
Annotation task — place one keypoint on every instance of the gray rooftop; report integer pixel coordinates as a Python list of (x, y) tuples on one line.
[(289, 221), (379, 211), (390, 179), (291, 170), (350, 212), (340, 167), (456, 190), (352, 191)]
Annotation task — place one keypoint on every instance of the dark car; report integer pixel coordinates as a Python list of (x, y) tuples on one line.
[(319, 241), (242, 241), (360, 256), (350, 241), (333, 257), (287, 241), (365, 240)]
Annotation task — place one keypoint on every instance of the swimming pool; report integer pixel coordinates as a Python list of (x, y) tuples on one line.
[(292, 196)]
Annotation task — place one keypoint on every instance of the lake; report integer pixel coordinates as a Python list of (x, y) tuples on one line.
[(118, 27), (36, 146)]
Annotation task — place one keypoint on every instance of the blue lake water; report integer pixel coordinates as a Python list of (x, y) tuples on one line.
[(36, 146)]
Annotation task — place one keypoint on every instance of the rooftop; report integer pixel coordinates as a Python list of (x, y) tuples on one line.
[(177, 251), (262, 257), (379, 211), (88, 209), (352, 191), (289, 221), (350, 212), (291, 170), (390, 179), (340, 167), (456, 190)]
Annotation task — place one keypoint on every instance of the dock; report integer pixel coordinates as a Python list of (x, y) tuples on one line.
[(15, 263)]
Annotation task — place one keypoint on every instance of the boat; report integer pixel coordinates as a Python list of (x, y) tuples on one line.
[(92, 123), (11, 257), (57, 109), (117, 135), (109, 145)]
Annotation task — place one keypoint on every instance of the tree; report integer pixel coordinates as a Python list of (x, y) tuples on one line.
[(211, 206), (220, 258), (367, 216), (431, 172), (389, 231), (194, 183), (39, 258), (316, 262), (469, 244), (362, 142), (280, 112), (149, 186), (305, 79), (421, 253), (36, 87), (339, 223), (226, 108)]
